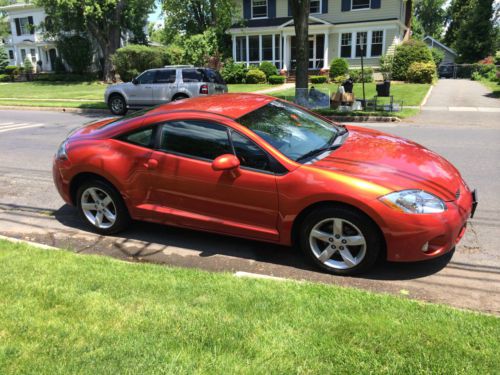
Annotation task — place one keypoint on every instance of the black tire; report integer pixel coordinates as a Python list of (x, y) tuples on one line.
[(120, 209), (179, 97), (353, 221), (117, 105)]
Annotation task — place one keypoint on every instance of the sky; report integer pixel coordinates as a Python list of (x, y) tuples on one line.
[(153, 17)]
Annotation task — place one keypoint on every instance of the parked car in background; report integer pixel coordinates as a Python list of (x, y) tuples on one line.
[(446, 70), (157, 86), (265, 169)]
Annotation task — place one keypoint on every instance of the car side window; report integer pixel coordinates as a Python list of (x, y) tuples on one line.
[(192, 75), (147, 77), (142, 137), (249, 154), (165, 76), (197, 139)]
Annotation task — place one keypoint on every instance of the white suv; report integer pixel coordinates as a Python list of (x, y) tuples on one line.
[(157, 86)]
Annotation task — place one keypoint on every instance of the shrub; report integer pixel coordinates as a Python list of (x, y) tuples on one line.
[(77, 51), (386, 63), (475, 76), (407, 53), (5, 78), (340, 79), (268, 68), (12, 71), (437, 56), (4, 59), (133, 59), (421, 72), (338, 67), (234, 73), (255, 76), (276, 80), (356, 75), (59, 66), (28, 65), (318, 79)]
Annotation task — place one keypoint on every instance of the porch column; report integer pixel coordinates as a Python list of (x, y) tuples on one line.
[(326, 64), (233, 38), (286, 54), (248, 52)]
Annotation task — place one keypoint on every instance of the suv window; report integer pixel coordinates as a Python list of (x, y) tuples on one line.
[(143, 137), (249, 154), (192, 75), (214, 76), (165, 76), (146, 77), (195, 138)]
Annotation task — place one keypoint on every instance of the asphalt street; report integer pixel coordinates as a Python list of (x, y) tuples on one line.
[(30, 208)]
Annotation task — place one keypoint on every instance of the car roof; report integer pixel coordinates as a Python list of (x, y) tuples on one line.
[(229, 105)]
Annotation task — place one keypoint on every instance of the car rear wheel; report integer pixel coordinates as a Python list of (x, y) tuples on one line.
[(340, 240), (179, 97), (102, 207), (117, 105)]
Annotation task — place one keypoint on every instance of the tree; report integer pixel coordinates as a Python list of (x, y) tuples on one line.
[(106, 21), (431, 15), (4, 59), (77, 52), (300, 14), (471, 30)]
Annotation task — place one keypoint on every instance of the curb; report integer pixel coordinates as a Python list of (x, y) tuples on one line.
[(364, 118), (54, 109), (34, 244), (426, 97)]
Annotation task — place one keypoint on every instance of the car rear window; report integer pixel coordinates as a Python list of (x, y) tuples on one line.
[(214, 76)]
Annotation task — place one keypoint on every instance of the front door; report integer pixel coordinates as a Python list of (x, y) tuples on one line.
[(141, 93), (52, 57), (187, 191), (165, 86), (315, 52)]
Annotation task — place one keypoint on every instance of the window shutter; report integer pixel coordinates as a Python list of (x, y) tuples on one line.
[(375, 4), (324, 6), (32, 29), (289, 9), (18, 26), (272, 8), (247, 9), (346, 5)]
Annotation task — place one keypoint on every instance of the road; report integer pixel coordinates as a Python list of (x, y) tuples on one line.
[(31, 209)]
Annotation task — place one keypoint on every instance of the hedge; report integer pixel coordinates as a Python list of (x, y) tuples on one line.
[(356, 75), (277, 80), (407, 53), (5, 78), (421, 72), (268, 68), (338, 67), (233, 72), (318, 79), (255, 76), (133, 59)]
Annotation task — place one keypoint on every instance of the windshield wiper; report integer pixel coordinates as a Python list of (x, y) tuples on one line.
[(318, 151)]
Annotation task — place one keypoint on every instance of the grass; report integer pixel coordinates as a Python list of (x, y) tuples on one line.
[(53, 90), (248, 87), (404, 113), (493, 86), (52, 103), (62, 313)]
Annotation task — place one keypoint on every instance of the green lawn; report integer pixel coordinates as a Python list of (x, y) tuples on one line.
[(248, 88), (493, 86), (62, 313), (411, 94), (53, 90)]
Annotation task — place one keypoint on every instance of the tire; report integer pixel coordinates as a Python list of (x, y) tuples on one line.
[(91, 209), (179, 97), (117, 105), (328, 247)]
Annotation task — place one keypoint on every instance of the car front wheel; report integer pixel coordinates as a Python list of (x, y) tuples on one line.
[(117, 105), (102, 207), (340, 240)]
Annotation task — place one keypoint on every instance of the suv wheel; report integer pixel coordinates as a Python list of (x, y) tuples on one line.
[(179, 97), (117, 105), (340, 240)]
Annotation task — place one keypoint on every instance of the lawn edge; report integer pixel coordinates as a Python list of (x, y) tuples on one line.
[(30, 243), (54, 109)]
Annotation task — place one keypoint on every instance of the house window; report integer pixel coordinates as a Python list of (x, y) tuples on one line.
[(315, 7), (11, 54), (23, 55), (377, 42), (259, 8), (241, 48), (267, 47), (277, 55), (24, 24), (253, 44), (346, 45), (361, 41), (360, 4)]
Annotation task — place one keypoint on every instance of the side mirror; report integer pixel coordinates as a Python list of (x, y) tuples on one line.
[(135, 81), (225, 162)]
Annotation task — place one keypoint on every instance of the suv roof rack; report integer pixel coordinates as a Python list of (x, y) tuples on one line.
[(179, 66)]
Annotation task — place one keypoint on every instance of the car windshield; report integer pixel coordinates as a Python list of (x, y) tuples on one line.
[(290, 129)]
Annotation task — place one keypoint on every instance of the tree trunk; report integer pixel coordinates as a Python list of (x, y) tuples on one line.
[(300, 13)]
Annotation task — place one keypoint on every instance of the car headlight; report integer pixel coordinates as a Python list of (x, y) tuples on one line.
[(414, 202), (61, 151)]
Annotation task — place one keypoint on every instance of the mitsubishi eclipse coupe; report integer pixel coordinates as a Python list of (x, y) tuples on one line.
[(259, 168)]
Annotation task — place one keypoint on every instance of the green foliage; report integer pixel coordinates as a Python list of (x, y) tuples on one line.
[(77, 51), (356, 75), (198, 48), (476, 76), (277, 80), (59, 66), (407, 53), (233, 72), (386, 63), (268, 68), (497, 58), (65, 77), (4, 58), (28, 65), (174, 54), (11, 70), (255, 76), (318, 79), (133, 59), (338, 67), (421, 72), (5, 78), (437, 56), (431, 15)]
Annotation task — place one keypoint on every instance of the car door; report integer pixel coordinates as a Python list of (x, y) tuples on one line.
[(192, 79), (141, 92), (164, 86), (191, 193)]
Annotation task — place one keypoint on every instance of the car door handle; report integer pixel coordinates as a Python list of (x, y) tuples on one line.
[(151, 164)]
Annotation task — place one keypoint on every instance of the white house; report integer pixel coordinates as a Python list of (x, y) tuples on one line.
[(27, 39)]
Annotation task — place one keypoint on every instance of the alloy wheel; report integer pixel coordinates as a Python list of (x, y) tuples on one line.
[(117, 105), (99, 208)]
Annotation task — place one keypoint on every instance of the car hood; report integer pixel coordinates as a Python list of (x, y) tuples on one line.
[(393, 162)]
